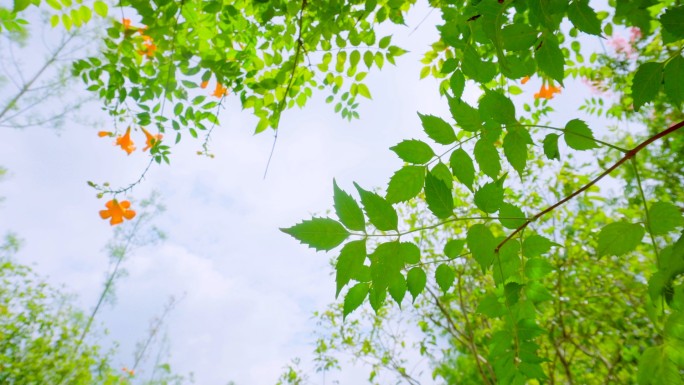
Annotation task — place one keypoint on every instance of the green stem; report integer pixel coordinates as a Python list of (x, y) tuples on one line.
[(648, 217)]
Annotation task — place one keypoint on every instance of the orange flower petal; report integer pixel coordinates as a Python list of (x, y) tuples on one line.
[(102, 134), (204, 84), (104, 214), (126, 23), (129, 214), (525, 80)]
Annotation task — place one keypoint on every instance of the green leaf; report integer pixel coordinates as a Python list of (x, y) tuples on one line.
[(491, 307), (462, 167), (101, 8), (20, 5), (550, 59), (510, 216), (437, 129), (536, 245), (490, 197), (386, 260), (664, 217), (619, 238), (496, 107), (519, 37), (405, 184), (673, 21), (376, 297), (351, 259), (385, 42), (444, 275), (656, 368), (474, 68), (454, 248), (438, 197), (515, 148), (318, 233), (537, 268), (348, 210), (465, 115), (414, 151), (673, 78), (578, 135), (536, 292), (457, 84), (354, 298), (481, 243), (380, 213), (397, 288), (415, 281), (551, 146), (584, 17), (409, 252), (488, 158), (646, 83)]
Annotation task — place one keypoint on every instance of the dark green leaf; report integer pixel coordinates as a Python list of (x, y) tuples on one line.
[(438, 197), (415, 281), (673, 21), (550, 59), (496, 107), (578, 135), (488, 158), (646, 83), (444, 275), (354, 298), (551, 146), (348, 210), (510, 216), (318, 233), (380, 213), (454, 248), (437, 129), (405, 184), (619, 238), (462, 167), (584, 17), (414, 151), (490, 197), (664, 217), (350, 261), (673, 78), (481, 243), (519, 37), (537, 268)]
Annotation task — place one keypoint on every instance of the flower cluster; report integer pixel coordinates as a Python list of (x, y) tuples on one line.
[(546, 91), (219, 92), (126, 143), (147, 46)]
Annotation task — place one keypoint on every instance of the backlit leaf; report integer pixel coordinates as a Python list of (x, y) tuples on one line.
[(351, 259), (619, 238), (405, 184), (519, 37), (496, 107), (584, 17), (510, 216), (354, 298), (437, 129), (536, 245), (490, 196), (415, 281), (438, 197), (414, 151), (318, 233), (466, 116), (454, 248), (646, 83), (550, 59), (380, 213), (537, 268), (101, 8), (397, 288), (444, 275), (488, 158), (462, 167), (664, 217), (578, 135), (551, 146), (673, 78), (347, 209), (475, 68), (673, 21), (481, 243), (515, 148)]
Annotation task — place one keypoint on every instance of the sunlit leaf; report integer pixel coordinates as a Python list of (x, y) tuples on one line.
[(348, 210), (414, 151), (318, 233), (462, 167), (646, 83), (619, 238), (380, 213), (438, 197), (444, 275), (437, 129), (405, 184), (354, 298)]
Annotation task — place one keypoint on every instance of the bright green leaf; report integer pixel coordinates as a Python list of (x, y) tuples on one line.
[(481, 243), (537, 268), (444, 275), (578, 135), (519, 37), (550, 59), (348, 210), (551, 146), (673, 78), (510, 216), (437, 129), (646, 83), (438, 197), (515, 148), (101, 8), (318, 233), (488, 158), (536, 245), (405, 184), (619, 238), (354, 298), (584, 17), (496, 107), (414, 151), (490, 196), (664, 217), (415, 281), (466, 116), (454, 248), (380, 212), (350, 261), (462, 167)]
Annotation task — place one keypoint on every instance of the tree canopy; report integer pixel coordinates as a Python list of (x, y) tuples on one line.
[(501, 225)]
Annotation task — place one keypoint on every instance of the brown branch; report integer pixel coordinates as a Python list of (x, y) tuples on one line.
[(629, 155)]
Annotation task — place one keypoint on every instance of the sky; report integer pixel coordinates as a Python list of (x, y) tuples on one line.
[(246, 291)]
